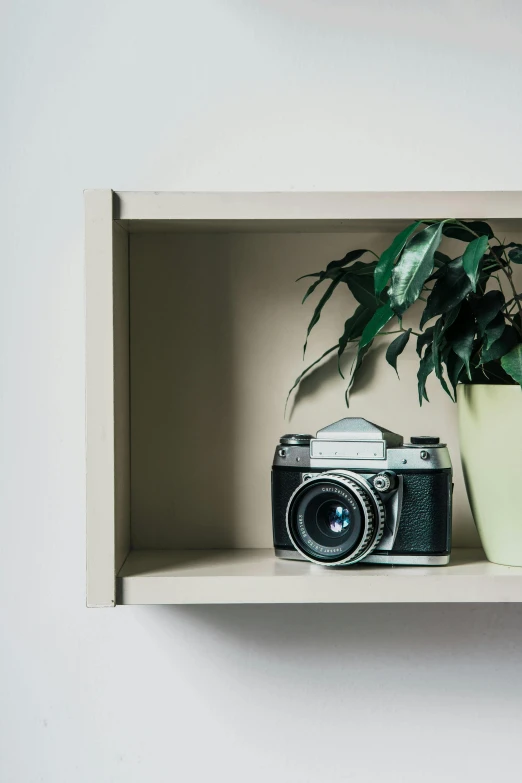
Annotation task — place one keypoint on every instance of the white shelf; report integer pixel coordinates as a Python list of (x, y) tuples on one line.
[(164, 376), (255, 576)]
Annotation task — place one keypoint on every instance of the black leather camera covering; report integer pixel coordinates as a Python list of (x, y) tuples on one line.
[(425, 521)]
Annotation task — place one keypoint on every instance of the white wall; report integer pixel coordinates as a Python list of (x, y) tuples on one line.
[(226, 94)]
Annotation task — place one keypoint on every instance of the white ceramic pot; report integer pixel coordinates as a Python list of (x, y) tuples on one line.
[(490, 427)]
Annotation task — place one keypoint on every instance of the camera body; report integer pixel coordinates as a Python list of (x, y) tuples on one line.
[(357, 493)]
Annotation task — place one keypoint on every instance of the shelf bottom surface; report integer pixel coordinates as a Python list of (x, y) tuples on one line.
[(256, 576)]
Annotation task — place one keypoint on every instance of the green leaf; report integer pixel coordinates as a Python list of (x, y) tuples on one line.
[(452, 287), (512, 363), (500, 347), (312, 287), (388, 257), (425, 368), (300, 377), (439, 349), (486, 308), (472, 258), (395, 348), (352, 255), (480, 227), (317, 312), (425, 338), (454, 367), (436, 347), (473, 227), (461, 336), (363, 290), (515, 255), (441, 259), (353, 328), (361, 353), (494, 329), (379, 319), (414, 267), (332, 269), (361, 268), (496, 252)]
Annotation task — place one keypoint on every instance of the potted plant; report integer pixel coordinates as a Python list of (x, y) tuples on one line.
[(469, 336)]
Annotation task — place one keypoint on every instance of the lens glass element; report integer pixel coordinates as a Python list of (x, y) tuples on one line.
[(333, 518)]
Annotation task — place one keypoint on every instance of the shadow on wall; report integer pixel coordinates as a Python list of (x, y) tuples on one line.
[(282, 631), (401, 658)]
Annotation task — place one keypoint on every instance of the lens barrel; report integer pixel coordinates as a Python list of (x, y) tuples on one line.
[(336, 518)]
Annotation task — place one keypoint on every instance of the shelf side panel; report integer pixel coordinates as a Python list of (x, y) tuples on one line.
[(107, 397), (121, 326)]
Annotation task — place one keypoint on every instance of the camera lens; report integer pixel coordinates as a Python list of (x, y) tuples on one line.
[(334, 518)]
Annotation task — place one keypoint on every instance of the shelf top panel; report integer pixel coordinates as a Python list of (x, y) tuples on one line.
[(251, 576), (291, 211)]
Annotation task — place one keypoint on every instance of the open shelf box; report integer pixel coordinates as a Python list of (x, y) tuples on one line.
[(194, 335)]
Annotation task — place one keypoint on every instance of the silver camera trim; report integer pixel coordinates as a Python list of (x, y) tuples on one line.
[(377, 559)]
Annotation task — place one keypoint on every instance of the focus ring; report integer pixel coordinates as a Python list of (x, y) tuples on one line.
[(375, 526)]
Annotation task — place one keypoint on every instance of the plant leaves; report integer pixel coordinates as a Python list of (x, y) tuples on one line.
[(301, 376), (379, 319), (452, 287), (494, 329), (353, 328), (491, 372), (361, 353), (486, 308), (425, 368), (496, 251), (472, 257), (352, 255), (359, 268), (512, 363), (332, 270), (363, 290), (395, 348), (454, 367), (312, 287), (479, 227), (439, 350), (441, 259), (425, 338), (414, 267), (515, 255), (461, 336), (317, 312), (500, 347), (384, 267)]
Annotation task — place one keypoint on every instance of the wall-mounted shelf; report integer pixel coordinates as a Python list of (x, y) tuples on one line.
[(254, 576), (194, 335)]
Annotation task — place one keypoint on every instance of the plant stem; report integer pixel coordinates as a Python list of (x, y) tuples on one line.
[(398, 331), (513, 323), (508, 272)]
